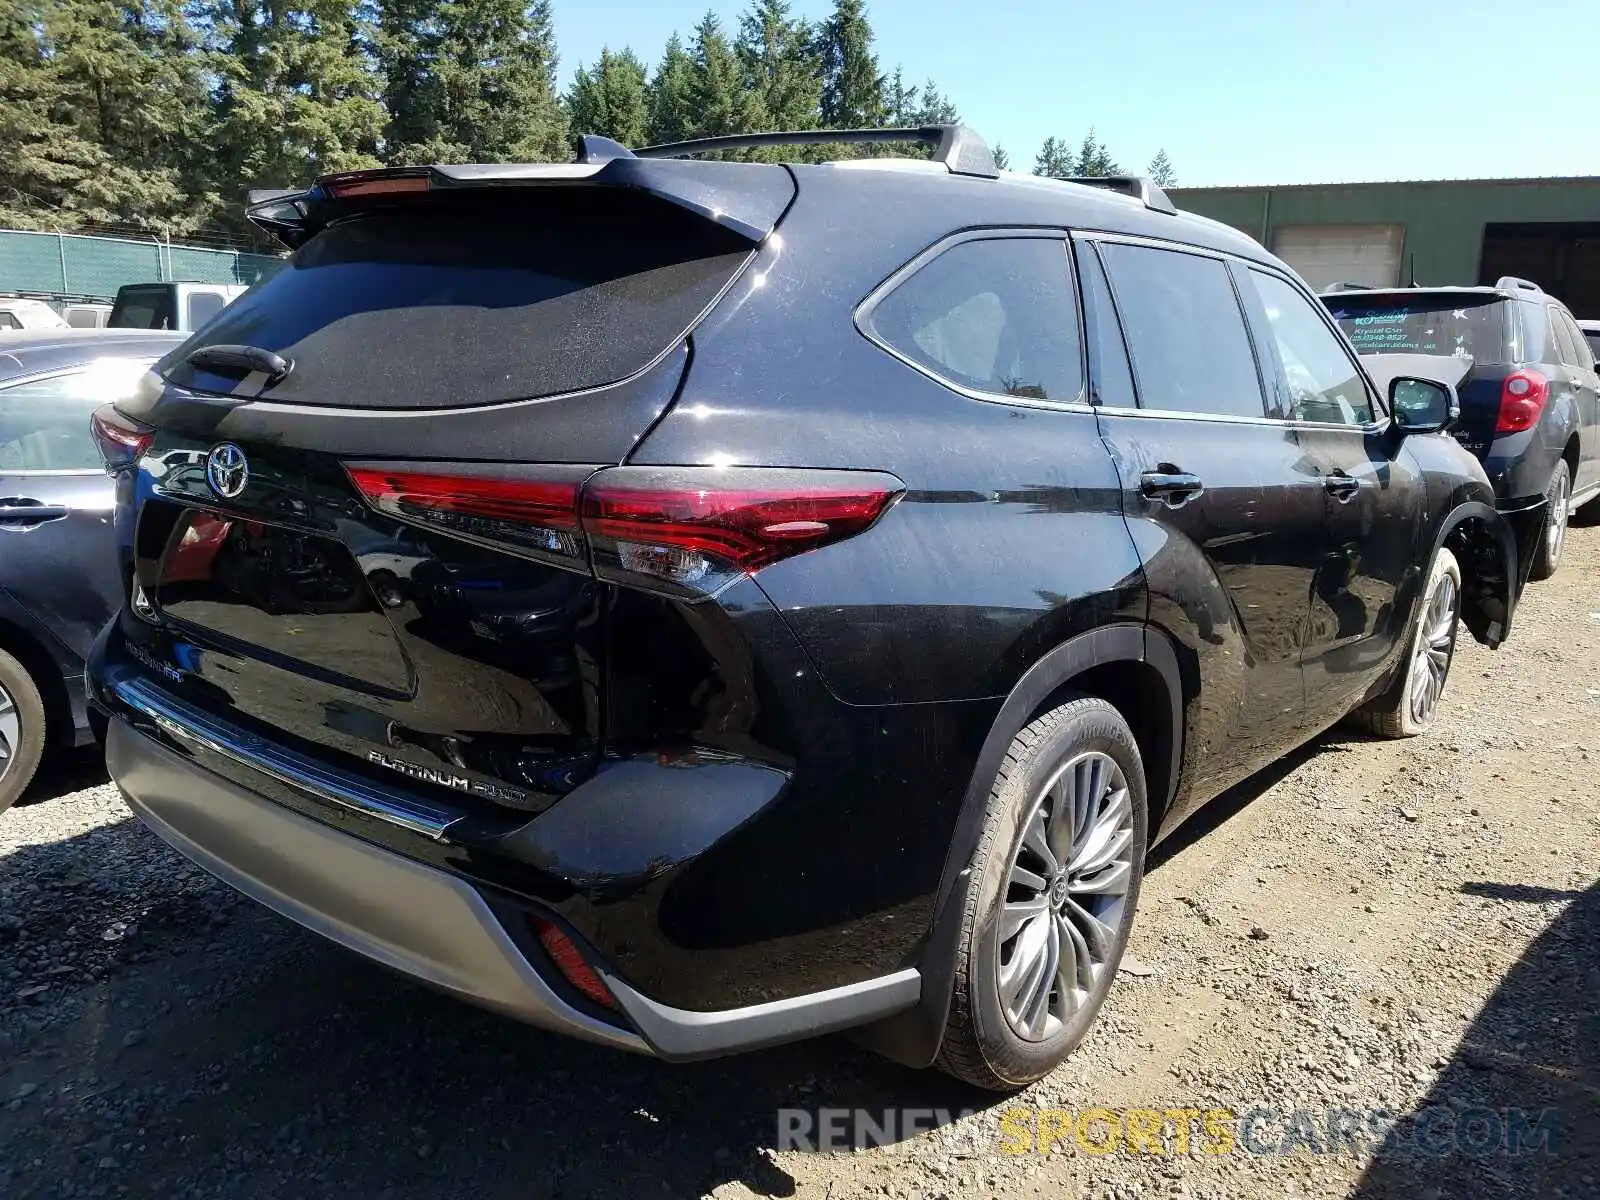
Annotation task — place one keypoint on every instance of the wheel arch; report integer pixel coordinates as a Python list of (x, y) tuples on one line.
[(1134, 668), (45, 669), (1492, 570)]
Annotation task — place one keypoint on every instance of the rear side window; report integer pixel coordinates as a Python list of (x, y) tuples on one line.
[(1462, 325), (143, 308), (1108, 354), (202, 307), (993, 315), (7, 321), (1185, 331), (451, 302)]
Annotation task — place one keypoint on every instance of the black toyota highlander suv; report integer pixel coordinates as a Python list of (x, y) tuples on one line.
[(691, 605)]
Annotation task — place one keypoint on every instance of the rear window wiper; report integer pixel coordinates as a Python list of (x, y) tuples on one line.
[(241, 358)]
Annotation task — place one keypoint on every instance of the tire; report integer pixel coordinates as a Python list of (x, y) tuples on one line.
[(1393, 714), (1063, 749), (22, 729), (1553, 537)]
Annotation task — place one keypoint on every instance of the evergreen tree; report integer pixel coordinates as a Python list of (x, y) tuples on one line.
[(611, 100), (852, 88), (101, 110), (780, 69), (296, 95), (935, 109), (1055, 160), (1094, 161), (900, 100), (718, 102), (469, 81), (670, 117), (1160, 170), (1002, 160)]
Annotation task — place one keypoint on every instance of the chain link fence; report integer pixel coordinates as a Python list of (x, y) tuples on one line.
[(69, 264)]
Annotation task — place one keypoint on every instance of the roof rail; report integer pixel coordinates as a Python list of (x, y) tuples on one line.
[(1141, 188), (958, 147), (1511, 283), (593, 148)]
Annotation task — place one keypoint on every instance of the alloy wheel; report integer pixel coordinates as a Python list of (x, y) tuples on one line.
[(10, 730), (1555, 528), (1068, 883), (1435, 645)]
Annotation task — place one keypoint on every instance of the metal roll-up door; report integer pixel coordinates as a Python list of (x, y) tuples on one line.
[(1368, 255)]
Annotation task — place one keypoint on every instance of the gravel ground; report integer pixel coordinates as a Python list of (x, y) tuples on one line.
[(1412, 928)]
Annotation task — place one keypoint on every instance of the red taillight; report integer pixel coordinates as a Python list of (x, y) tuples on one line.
[(350, 184), (743, 528), (539, 514), (570, 962), (122, 441), (1522, 400), (690, 526)]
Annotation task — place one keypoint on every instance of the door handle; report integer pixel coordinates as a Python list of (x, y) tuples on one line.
[(1342, 487), (17, 512), (1172, 487)]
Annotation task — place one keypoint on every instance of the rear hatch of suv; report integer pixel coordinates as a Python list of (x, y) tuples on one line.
[(1471, 330), (355, 530)]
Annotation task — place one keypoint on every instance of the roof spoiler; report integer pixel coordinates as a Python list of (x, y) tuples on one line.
[(745, 198), (1140, 187), (958, 147), (1513, 283)]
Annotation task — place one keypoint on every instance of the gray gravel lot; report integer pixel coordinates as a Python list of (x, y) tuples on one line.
[(1404, 926)]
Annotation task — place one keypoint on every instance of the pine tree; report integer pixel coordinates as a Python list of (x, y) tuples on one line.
[(1160, 170), (935, 109), (780, 69), (670, 117), (469, 81), (1094, 161), (900, 100), (1002, 160), (102, 108), (718, 103), (852, 88), (610, 99), (1055, 160)]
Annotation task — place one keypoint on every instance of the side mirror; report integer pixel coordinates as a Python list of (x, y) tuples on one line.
[(1423, 405)]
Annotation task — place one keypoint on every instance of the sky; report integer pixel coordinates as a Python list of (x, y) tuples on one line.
[(1236, 91)]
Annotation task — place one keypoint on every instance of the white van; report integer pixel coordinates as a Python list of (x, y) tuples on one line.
[(17, 313)]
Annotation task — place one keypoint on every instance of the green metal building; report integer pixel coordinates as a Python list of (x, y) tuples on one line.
[(1463, 231)]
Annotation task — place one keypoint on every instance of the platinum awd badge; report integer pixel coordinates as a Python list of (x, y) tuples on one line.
[(449, 779)]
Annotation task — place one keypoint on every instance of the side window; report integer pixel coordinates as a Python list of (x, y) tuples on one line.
[(1324, 382), (1110, 380), (1185, 331), (7, 321), (202, 307), (1581, 355), (1567, 352), (993, 315), (44, 423)]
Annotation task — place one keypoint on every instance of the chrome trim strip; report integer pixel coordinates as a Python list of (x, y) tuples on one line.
[(181, 721)]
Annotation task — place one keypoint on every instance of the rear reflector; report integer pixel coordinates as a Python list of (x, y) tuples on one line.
[(570, 962), (1522, 400), (530, 513), (122, 441)]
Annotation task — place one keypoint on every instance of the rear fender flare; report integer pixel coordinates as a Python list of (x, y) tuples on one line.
[(913, 1037), (1492, 578)]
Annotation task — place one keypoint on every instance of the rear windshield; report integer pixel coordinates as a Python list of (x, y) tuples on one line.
[(459, 301), (143, 308), (1460, 325)]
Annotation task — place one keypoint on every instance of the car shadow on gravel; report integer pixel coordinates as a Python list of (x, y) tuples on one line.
[(64, 771), (205, 1046), (1516, 1110)]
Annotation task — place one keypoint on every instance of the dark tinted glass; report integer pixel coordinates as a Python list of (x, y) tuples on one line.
[(995, 315), (143, 308), (1451, 325), (1324, 382), (1110, 378), (7, 321), (461, 302), (1185, 331), (1593, 338)]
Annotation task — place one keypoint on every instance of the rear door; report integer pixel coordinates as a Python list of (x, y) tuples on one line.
[(57, 554), (1225, 511), (1373, 497)]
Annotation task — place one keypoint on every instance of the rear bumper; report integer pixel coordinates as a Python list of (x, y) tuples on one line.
[(433, 925)]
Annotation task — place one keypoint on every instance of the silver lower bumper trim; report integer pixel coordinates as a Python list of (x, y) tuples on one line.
[(403, 914)]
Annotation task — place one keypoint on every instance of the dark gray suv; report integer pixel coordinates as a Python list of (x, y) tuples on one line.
[(1530, 402)]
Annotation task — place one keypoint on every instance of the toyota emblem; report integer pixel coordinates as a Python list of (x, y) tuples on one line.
[(227, 470)]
